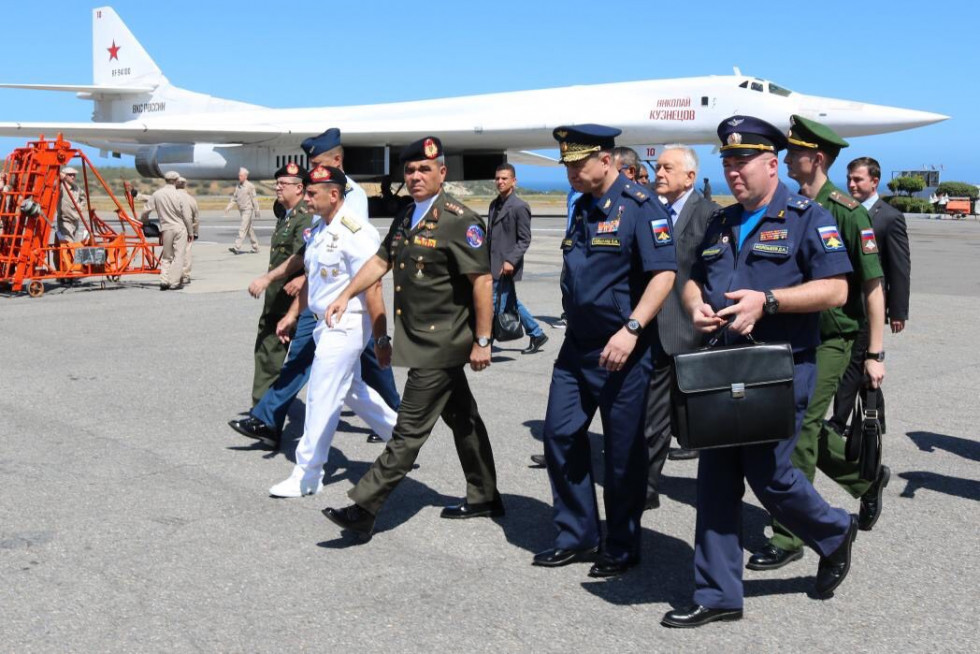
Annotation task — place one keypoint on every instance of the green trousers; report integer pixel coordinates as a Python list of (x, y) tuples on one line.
[(819, 446), (431, 393), (269, 356)]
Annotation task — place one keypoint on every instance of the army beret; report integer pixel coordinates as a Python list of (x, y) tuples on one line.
[(429, 147), (315, 145), (580, 141), (68, 170), (328, 175), (171, 175), (808, 134), (745, 136), (293, 169)]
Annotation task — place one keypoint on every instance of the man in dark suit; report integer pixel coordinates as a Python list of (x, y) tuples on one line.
[(675, 173), (863, 176), (509, 227)]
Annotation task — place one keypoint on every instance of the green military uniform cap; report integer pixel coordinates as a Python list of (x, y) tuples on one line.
[(811, 135)]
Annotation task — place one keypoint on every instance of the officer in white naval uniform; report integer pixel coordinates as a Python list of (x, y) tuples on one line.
[(336, 248)]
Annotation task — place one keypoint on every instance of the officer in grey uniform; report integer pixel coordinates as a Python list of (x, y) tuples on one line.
[(185, 277), (175, 224), (438, 252), (248, 207)]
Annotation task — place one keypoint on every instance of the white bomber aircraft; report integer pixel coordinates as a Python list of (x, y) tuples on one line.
[(139, 112)]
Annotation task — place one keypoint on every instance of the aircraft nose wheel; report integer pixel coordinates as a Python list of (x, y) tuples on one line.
[(35, 289)]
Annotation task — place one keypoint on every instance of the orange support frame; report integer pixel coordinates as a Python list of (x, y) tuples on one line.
[(30, 248)]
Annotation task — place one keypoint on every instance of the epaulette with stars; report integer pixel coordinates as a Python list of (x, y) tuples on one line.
[(637, 193), (798, 202), (452, 207), (844, 200)]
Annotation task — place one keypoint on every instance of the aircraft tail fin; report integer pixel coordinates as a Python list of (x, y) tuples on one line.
[(118, 59)]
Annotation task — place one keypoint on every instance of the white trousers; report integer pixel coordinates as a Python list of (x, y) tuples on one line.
[(335, 379)]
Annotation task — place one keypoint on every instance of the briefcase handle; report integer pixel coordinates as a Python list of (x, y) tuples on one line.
[(721, 332)]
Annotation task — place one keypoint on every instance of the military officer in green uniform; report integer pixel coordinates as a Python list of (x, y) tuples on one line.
[(287, 240), (812, 149), (438, 253)]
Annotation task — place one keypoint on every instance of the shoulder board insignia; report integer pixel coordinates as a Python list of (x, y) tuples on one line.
[(348, 188), (844, 200), (350, 224), (642, 196), (454, 208), (799, 202)]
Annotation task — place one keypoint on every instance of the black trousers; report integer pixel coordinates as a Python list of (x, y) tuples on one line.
[(851, 383), (657, 429)]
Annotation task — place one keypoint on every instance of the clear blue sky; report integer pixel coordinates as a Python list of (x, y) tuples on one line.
[(907, 54)]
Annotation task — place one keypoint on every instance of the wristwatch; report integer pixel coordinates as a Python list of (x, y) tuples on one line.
[(875, 356), (383, 341), (483, 341), (772, 304), (634, 327)]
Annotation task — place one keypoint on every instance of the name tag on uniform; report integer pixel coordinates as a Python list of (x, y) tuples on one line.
[(774, 235), (770, 248), (424, 242), (608, 227), (566, 244), (605, 242), (711, 252)]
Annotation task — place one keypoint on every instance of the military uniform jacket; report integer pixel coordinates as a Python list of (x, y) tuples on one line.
[(192, 205), (172, 209), (287, 239), (243, 197), (334, 254), (434, 316), (612, 246), (795, 242), (862, 249)]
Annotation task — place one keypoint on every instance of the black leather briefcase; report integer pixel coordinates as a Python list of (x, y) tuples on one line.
[(734, 395)]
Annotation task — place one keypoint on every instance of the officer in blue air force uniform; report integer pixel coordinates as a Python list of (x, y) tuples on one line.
[(619, 265), (769, 263)]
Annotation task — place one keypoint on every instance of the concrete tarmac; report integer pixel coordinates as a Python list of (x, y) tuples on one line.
[(132, 518)]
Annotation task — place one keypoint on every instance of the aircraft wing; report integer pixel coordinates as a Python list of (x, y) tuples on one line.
[(137, 132), (82, 88), (528, 158)]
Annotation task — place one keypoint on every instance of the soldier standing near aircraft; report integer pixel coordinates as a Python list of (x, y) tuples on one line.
[(248, 207), (812, 149), (175, 224), (70, 204), (185, 277)]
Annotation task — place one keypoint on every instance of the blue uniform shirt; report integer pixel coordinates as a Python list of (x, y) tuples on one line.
[(795, 241), (612, 246)]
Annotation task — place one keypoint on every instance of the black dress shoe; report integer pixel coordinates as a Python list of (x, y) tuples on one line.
[(255, 428), (494, 509), (535, 344), (557, 557), (834, 567), (352, 518), (771, 557), (539, 460), (606, 567), (682, 454), (871, 500), (653, 502), (698, 615), (374, 438)]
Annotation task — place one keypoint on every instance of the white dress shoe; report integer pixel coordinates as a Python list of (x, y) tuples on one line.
[(297, 485)]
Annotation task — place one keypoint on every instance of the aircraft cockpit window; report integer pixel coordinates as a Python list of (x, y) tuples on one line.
[(757, 86), (778, 90), (744, 85)]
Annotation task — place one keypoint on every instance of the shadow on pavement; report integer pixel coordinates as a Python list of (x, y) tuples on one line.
[(928, 441), (917, 479)]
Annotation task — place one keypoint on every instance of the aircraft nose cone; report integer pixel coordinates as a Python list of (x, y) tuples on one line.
[(859, 118)]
